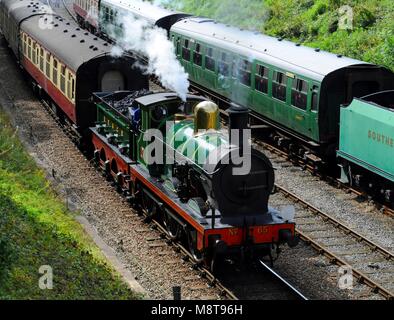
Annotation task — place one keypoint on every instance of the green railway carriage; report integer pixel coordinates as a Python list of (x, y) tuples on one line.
[(366, 144), (297, 91), (111, 15), (293, 88)]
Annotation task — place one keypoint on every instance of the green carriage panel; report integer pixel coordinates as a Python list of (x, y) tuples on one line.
[(367, 137)]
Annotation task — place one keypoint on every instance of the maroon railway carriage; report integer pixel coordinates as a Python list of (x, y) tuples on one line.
[(66, 64)]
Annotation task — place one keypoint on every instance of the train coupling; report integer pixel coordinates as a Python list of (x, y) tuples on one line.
[(286, 236)]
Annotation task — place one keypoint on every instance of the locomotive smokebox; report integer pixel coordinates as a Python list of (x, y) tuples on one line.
[(238, 122)]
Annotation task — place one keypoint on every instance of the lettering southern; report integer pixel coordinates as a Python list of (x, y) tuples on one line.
[(381, 138)]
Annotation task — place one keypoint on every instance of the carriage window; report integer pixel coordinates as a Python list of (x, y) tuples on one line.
[(29, 49), (209, 60), (25, 44), (261, 78), (69, 83), (106, 15), (299, 94), (315, 98), (73, 89), (178, 46), (33, 54), (223, 65), (48, 66), (245, 73), (197, 57), (279, 86), (42, 59), (54, 72), (63, 79), (186, 50)]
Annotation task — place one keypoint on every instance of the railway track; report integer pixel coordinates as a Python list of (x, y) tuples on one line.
[(258, 281), (382, 208), (253, 283), (370, 263), (277, 283)]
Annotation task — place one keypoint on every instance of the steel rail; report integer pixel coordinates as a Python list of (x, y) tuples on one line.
[(284, 281), (335, 259), (384, 209)]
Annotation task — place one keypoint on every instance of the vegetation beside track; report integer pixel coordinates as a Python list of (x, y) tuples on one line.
[(36, 229), (314, 23)]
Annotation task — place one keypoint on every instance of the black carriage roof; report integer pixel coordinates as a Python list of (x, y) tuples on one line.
[(164, 97), (284, 54), (63, 38), (144, 9)]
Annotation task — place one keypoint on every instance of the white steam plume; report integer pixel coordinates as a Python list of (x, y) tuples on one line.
[(152, 42)]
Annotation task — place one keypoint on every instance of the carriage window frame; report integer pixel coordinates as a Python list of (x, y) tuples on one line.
[(29, 45), (186, 54), (73, 88), (279, 80), (68, 84), (198, 54), (245, 72), (223, 61), (315, 98), (25, 44), (262, 77), (55, 71), (48, 58), (34, 52), (42, 59), (299, 88), (106, 14), (63, 72), (178, 46), (210, 61)]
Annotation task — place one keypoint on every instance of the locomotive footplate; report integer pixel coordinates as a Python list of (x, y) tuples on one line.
[(214, 233)]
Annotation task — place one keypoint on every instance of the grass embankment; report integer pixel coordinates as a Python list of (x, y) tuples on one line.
[(368, 36), (36, 229)]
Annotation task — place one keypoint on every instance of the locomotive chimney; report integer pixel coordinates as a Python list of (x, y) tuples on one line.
[(238, 120)]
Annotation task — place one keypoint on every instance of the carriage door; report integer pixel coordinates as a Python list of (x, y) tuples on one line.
[(112, 81), (242, 80), (300, 113)]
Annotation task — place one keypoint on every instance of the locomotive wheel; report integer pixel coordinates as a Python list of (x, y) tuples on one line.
[(172, 226), (148, 206), (192, 241)]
